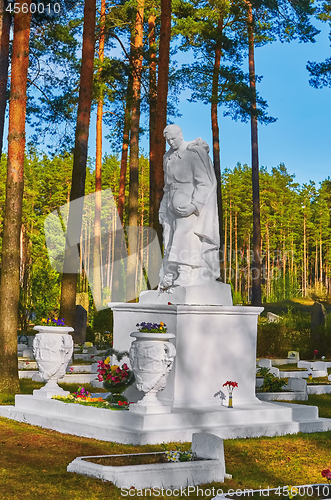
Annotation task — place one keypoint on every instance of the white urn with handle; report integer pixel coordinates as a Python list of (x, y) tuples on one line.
[(151, 356), (52, 349)]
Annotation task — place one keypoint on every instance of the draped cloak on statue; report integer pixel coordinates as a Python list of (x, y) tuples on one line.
[(192, 240)]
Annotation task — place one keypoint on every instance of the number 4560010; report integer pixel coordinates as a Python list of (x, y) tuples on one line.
[(41, 8)]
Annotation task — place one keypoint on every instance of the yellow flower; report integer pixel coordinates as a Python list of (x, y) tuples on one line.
[(161, 328), (107, 361)]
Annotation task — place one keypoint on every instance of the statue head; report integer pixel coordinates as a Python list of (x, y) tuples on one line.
[(174, 136)]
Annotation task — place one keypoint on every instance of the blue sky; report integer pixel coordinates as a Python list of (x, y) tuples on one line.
[(301, 137)]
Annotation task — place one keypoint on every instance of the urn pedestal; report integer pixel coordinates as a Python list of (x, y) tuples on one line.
[(52, 349), (151, 358), (213, 343)]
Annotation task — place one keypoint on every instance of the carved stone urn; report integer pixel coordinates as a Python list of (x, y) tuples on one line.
[(151, 357), (52, 349)]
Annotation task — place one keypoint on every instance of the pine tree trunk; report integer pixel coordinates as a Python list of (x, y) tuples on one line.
[(161, 111), (304, 258), (236, 250), (321, 262), (152, 114), (225, 251), (215, 131), (126, 140), (134, 150), (10, 272), (5, 21), (70, 267), (248, 268), (97, 255), (268, 262), (230, 242), (256, 276), (316, 265)]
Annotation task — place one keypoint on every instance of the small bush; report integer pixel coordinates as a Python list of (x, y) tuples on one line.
[(271, 383)]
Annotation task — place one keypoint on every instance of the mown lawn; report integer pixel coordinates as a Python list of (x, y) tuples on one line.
[(33, 462)]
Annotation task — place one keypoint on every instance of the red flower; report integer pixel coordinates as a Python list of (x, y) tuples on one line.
[(315, 352), (169, 304), (326, 473), (230, 384)]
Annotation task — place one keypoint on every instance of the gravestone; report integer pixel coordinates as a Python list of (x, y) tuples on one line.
[(296, 384), (317, 323), (274, 371), (293, 355), (27, 353), (264, 363), (79, 333), (317, 315), (319, 365), (273, 318), (21, 348)]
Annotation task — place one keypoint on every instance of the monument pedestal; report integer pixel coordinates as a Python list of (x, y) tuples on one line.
[(214, 344)]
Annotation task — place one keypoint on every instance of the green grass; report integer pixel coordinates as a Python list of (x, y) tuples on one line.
[(319, 380), (78, 361), (33, 461), (290, 368)]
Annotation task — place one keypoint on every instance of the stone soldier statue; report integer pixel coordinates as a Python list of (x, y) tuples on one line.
[(188, 213)]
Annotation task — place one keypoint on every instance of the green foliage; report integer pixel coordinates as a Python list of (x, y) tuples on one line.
[(292, 332), (320, 73), (103, 321), (271, 383), (262, 372)]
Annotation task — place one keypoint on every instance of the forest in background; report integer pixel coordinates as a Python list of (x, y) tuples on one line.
[(295, 229)]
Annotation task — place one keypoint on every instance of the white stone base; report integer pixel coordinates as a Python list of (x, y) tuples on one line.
[(214, 344), (302, 374), (261, 419), (137, 408), (44, 393), (319, 389), (210, 468), (283, 396), (211, 293)]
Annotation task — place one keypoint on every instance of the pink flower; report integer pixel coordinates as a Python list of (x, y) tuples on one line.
[(326, 473), (315, 352)]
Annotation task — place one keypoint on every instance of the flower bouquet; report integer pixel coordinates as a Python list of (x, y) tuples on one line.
[(152, 327), (327, 474), (53, 322), (230, 386), (115, 379)]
